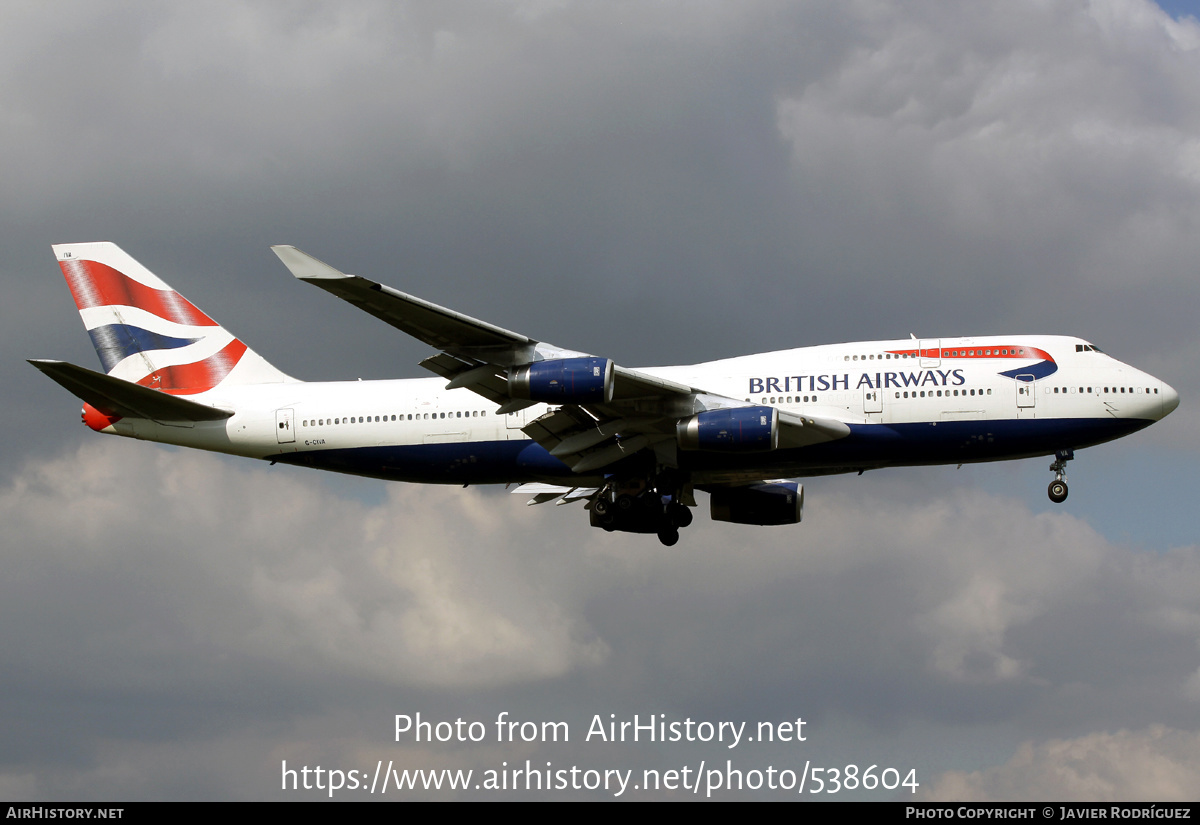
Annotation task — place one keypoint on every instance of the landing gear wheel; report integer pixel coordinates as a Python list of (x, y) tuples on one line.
[(680, 515), (668, 536), (601, 506), (625, 503), (1058, 488), (1057, 491)]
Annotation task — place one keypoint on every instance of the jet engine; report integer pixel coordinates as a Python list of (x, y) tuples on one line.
[(778, 503), (564, 381), (738, 430)]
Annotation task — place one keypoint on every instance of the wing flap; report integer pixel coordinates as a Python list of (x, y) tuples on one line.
[(543, 493), (483, 379), (584, 443), (554, 427)]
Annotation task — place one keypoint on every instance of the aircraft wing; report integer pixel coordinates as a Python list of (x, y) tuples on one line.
[(636, 411), (437, 326)]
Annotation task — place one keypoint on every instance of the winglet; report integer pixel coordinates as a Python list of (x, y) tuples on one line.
[(305, 266)]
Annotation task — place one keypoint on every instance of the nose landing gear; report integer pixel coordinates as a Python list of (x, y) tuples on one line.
[(1058, 488)]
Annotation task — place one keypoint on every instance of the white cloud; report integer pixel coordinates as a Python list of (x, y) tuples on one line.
[(267, 567), (1155, 763)]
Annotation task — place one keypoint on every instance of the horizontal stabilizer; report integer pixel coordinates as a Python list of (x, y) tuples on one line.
[(114, 396)]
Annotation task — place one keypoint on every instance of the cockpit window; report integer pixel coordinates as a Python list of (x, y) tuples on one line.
[(1087, 348)]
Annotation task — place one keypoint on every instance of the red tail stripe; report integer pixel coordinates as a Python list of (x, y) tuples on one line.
[(95, 284), (200, 376)]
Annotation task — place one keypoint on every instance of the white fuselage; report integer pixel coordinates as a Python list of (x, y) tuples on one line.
[(906, 402)]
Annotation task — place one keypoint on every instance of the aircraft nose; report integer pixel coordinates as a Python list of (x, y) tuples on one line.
[(1170, 399)]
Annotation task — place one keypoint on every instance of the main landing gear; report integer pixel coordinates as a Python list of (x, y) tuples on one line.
[(642, 506), (1058, 488)]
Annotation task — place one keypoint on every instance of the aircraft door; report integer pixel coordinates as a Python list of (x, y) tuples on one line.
[(872, 401), (284, 430), (1026, 392), (931, 352), (515, 420)]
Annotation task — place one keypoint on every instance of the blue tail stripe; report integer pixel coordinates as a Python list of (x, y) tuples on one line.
[(116, 342)]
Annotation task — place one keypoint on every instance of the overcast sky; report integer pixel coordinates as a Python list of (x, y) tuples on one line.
[(659, 183)]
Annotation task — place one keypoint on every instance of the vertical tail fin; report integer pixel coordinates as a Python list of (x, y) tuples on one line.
[(147, 333)]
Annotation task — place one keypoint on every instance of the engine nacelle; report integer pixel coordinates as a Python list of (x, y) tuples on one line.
[(738, 430), (564, 381), (780, 503)]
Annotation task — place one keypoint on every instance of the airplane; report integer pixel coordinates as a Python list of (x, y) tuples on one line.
[(632, 444)]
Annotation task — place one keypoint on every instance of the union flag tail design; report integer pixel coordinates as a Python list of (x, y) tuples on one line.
[(147, 333)]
